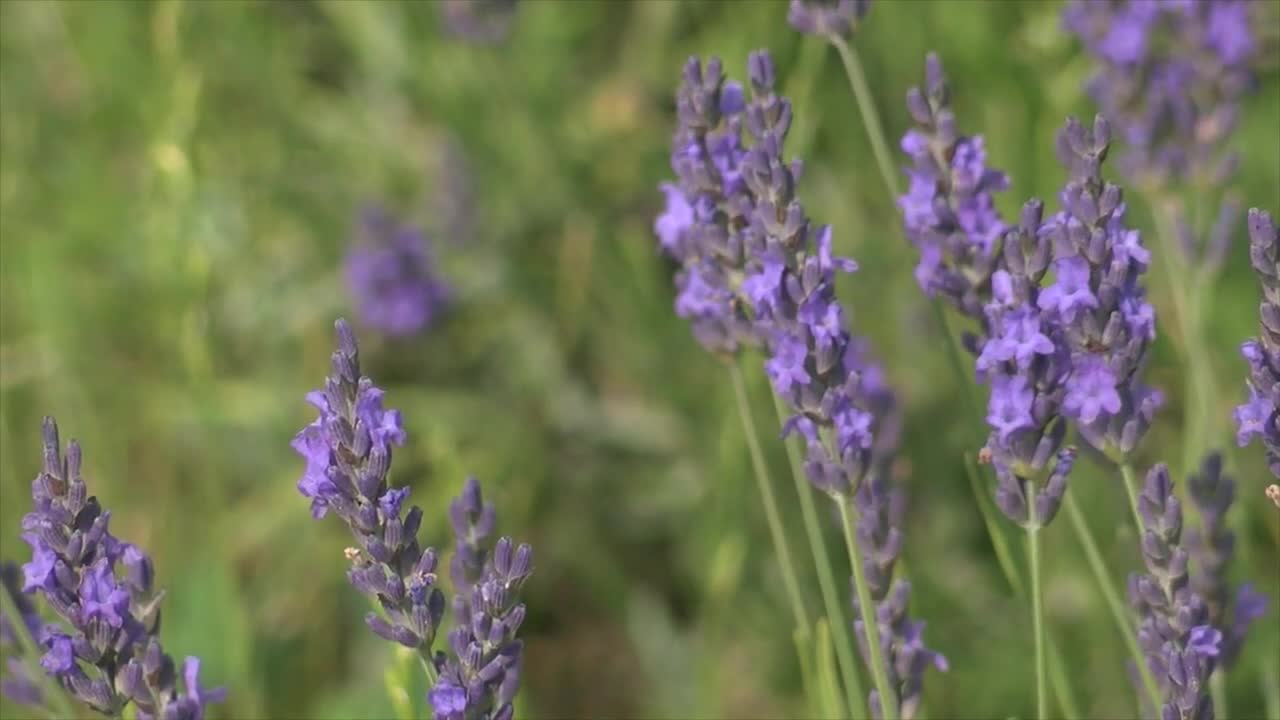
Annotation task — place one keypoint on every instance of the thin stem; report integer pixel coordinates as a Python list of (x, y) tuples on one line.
[(1131, 489), (1218, 691), (429, 668), (1112, 598), (867, 107), (1061, 682), (866, 606), (28, 651), (840, 629), (766, 496), (1037, 605)]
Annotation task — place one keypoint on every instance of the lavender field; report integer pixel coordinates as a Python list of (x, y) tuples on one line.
[(505, 359)]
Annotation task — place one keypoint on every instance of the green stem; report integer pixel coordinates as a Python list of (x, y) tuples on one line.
[(1061, 682), (840, 629), (1218, 690), (1037, 605), (429, 668), (28, 651), (1131, 489), (1118, 613), (867, 107), (866, 606), (766, 496)]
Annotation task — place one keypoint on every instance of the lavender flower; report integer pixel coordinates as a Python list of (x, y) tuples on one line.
[(1171, 76), (392, 276), (1260, 414), (348, 454), (827, 17), (1211, 548), (706, 211), (840, 401), (107, 654), (479, 21), (1027, 359), (1175, 633), (481, 679), (949, 210), (880, 511), (17, 685), (1098, 300)]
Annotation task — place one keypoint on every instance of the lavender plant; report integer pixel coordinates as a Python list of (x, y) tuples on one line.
[(1259, 414), (1211, 548), (880, 511), (481, 679), (478, 21), (348, 451), (1170, 75), (17, 682), (1175, 630), (106, 652), (949, 208), (392, 277), (827, 17)]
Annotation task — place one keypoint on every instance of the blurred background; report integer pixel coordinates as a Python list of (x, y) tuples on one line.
[(179, 184)]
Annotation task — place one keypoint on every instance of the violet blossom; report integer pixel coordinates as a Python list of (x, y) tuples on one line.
[(827, 17), (1211, 548), (392, 276), (1175, 632), (1260, 413), (105, 652)]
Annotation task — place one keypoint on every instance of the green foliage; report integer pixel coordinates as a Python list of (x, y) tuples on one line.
[(177, 185)]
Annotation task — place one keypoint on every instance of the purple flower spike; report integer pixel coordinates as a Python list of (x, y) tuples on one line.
[(949, 208), (482, 677), (392, 277), (1181, 645), (1259, 415), (1099, 300), (755, 270), (827, 17), (348, 451), (880, 510), (16, 683), (1211, 547), (103, 590)]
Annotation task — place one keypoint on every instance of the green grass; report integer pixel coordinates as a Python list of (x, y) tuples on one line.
[(177, 185)]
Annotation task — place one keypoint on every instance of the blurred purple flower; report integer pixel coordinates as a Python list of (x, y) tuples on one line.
[(392, 277), (478, 21), (1260, 413), (827, 17)]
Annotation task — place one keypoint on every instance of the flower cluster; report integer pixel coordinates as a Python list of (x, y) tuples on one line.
[(1260, 414), (1180, 643), (348, 455), (708, 208), (1171, 76), (827, 17), (392, 277), (478, 21), (880, 510), (107, 655), (948, 210), (1098, 300), (1027, 360), (840, 400), (481, 679), (1211, 547), (17, 685)]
